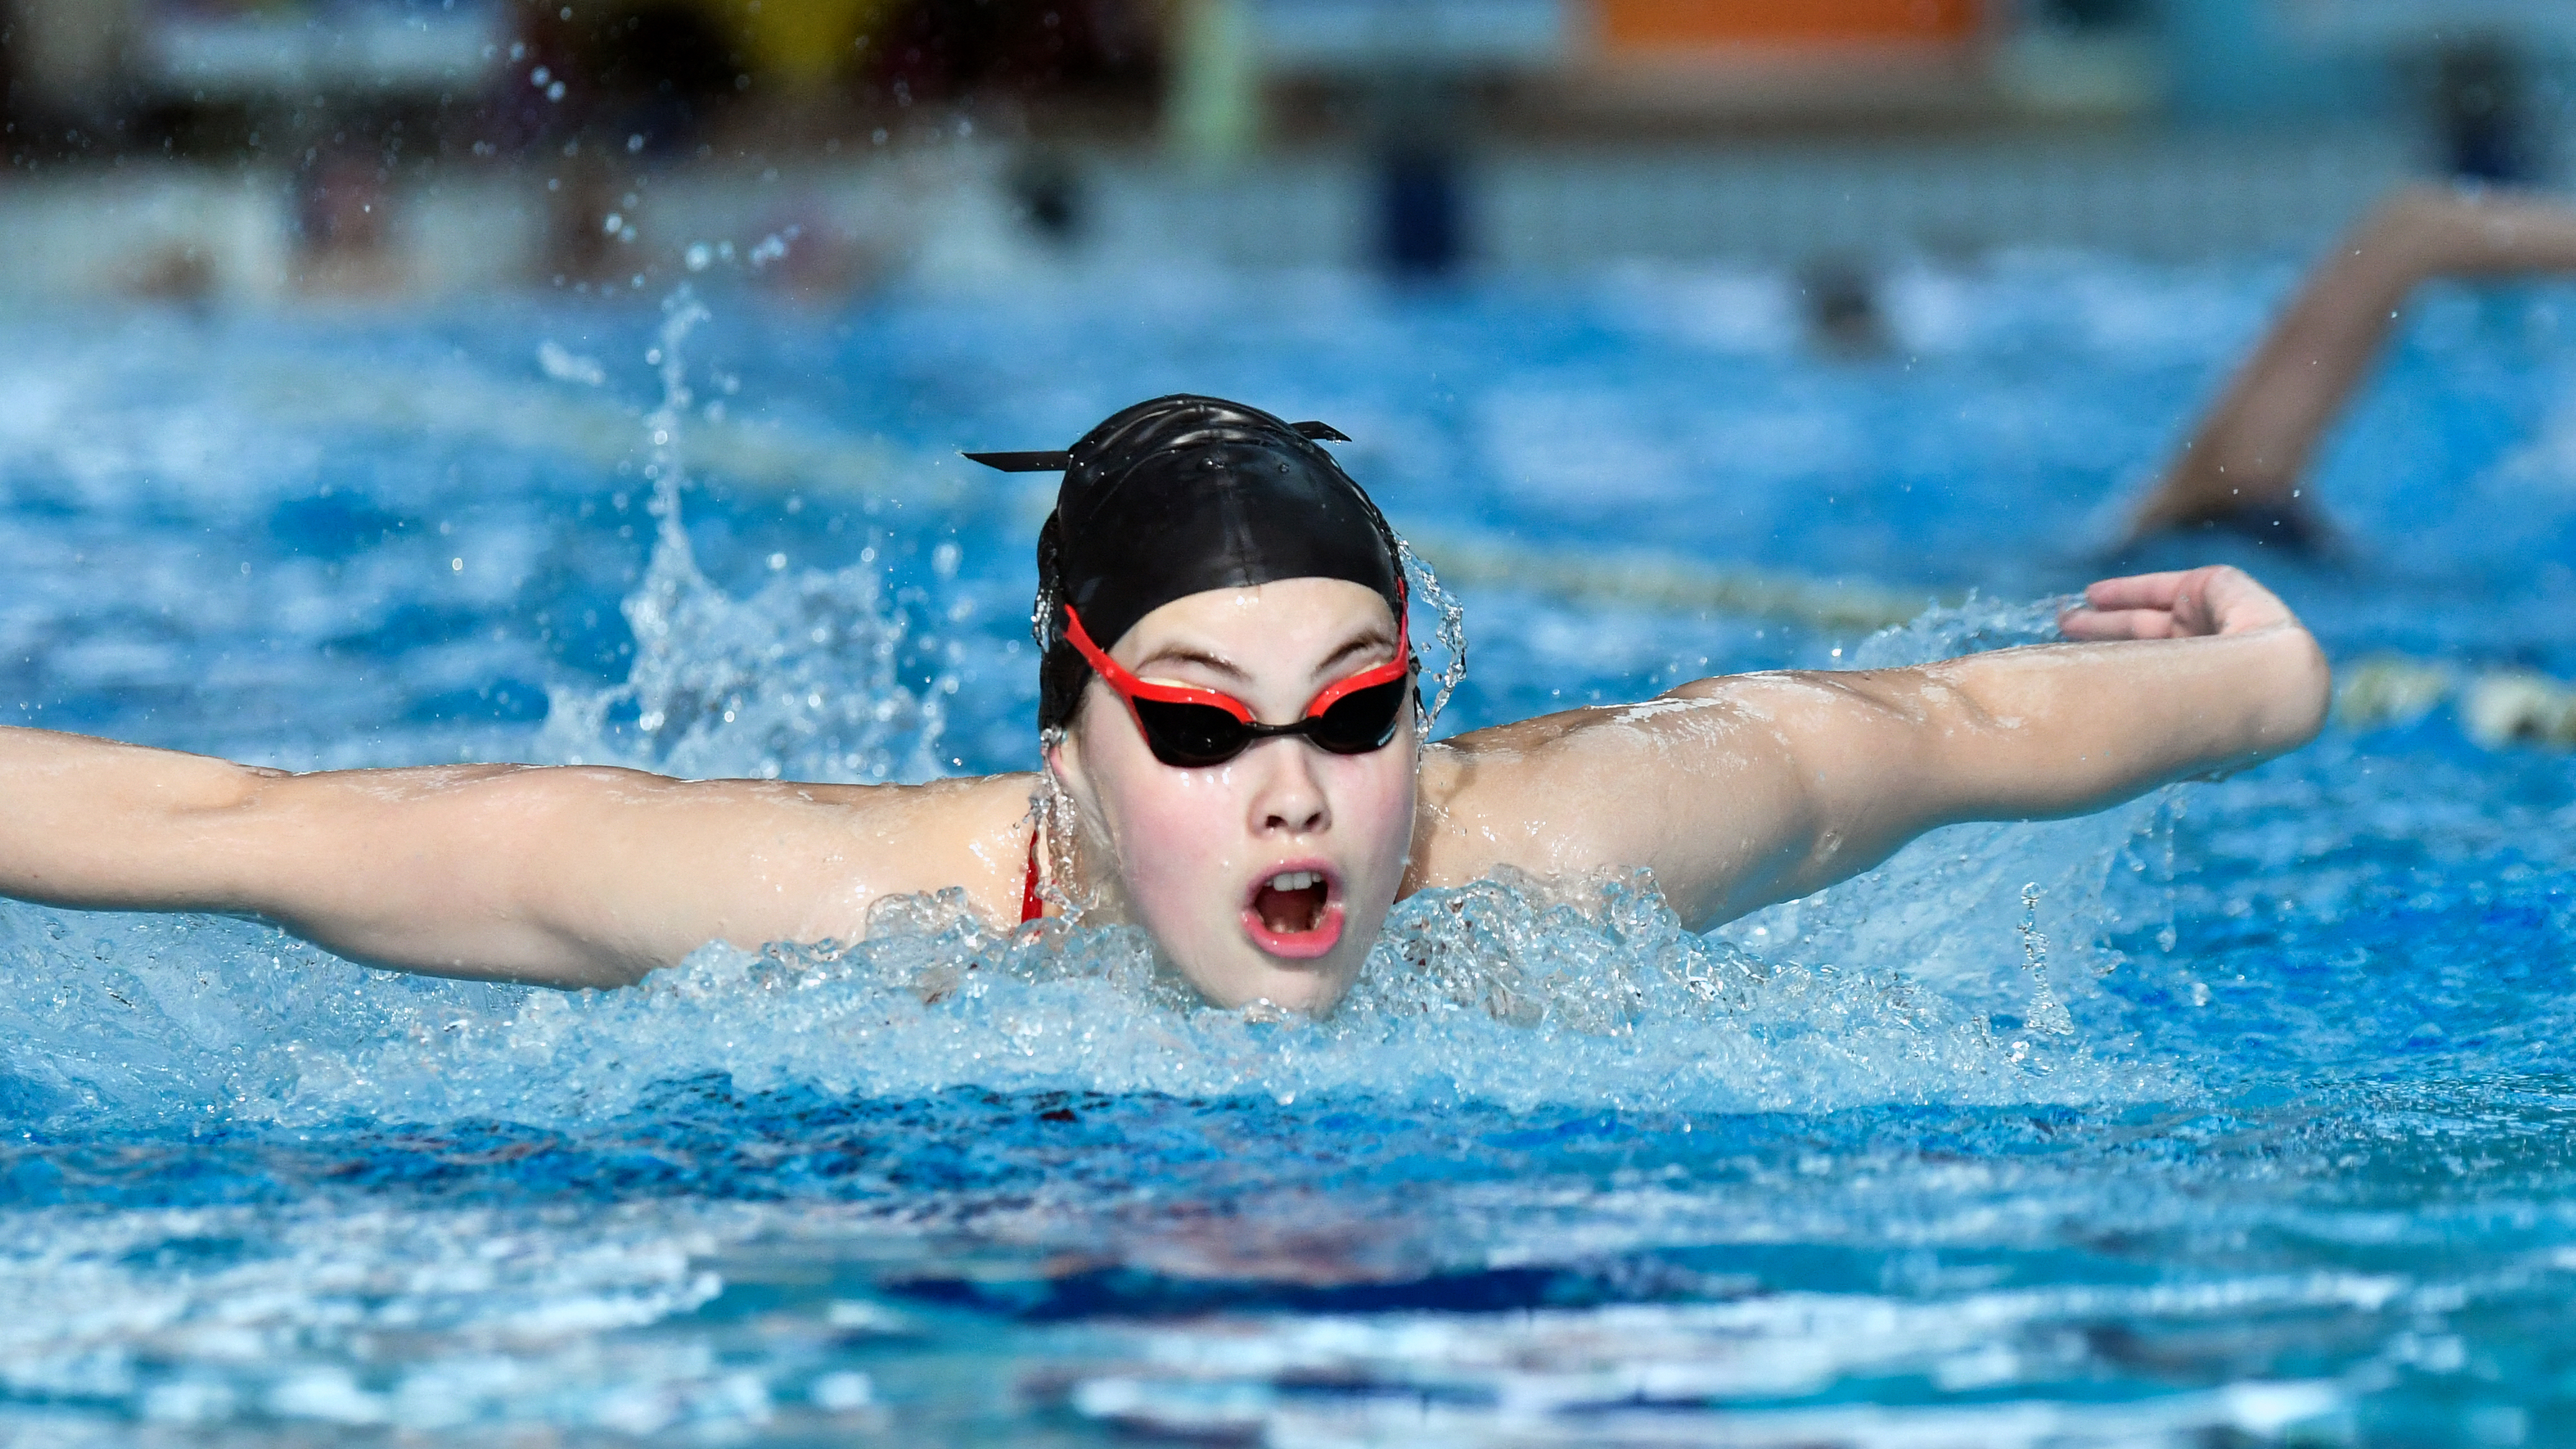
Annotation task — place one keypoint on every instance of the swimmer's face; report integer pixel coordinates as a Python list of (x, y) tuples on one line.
[(1266, 877)]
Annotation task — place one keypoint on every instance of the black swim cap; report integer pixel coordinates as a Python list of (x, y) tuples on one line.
[(1181, 495)]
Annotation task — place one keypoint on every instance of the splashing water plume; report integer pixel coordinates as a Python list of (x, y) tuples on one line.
[(798, 681), (1451, 631), (2045, 1012)]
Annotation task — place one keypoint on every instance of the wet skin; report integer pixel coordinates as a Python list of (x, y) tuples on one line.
[(1733, 792)]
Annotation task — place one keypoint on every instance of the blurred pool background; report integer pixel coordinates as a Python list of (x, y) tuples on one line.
[(364, 399)]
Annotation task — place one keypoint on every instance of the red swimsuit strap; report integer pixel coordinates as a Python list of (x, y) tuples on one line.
[(1032, 908)]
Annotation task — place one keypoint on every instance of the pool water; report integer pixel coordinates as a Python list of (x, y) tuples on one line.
[(2240, 1114)]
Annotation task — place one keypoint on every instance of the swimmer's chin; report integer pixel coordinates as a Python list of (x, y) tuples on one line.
[(1308, 989)]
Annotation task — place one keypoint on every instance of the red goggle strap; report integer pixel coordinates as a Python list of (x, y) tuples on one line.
[(1133, 688), (1370, 678)]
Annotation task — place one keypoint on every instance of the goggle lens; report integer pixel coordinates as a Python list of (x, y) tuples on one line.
[(1190, 735), (1360, 721)]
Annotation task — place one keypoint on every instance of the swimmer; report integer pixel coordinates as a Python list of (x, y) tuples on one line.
[(1230, 760), (2243, 467)]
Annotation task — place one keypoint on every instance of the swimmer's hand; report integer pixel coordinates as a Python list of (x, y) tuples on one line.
[(2179, 605)]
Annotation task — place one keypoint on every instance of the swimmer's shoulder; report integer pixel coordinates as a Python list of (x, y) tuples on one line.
[(1579, 791), (970, 833), (959, 799), (1499, 797), (772, 860)]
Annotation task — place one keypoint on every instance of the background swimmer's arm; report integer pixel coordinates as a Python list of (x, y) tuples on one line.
[(1742, 791), (2250, 451), (560, 877)]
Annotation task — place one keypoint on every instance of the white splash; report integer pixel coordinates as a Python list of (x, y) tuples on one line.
[(797, 681)]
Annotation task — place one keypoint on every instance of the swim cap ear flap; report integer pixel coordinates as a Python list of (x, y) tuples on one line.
[(1055, 462), (1061, 670)]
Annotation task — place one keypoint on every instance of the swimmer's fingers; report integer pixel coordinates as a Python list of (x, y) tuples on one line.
[(2139, 606), (2087, 625), (2213, 600), (2136, 591)]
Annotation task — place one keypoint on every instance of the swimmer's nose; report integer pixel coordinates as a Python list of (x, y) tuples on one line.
[(1288, 797)]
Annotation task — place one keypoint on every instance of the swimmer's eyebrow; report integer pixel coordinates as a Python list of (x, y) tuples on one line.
[(1183, 654), (1371, 637)]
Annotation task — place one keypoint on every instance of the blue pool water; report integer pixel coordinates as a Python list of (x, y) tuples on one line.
[(2241, 1114)]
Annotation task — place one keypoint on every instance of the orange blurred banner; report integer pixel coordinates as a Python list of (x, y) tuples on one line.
[(1665, 25)]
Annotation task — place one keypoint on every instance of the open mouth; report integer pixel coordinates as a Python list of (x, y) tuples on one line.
[(1292, 901), (1293, 914)]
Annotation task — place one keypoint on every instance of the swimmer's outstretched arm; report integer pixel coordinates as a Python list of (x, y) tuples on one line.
[(1750, 789), (2250, 452), (565, 877)]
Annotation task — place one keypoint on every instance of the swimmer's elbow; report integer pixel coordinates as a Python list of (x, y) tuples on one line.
[(1870, 773)]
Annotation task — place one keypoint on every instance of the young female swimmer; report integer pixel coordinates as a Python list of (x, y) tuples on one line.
[(1228, 711)]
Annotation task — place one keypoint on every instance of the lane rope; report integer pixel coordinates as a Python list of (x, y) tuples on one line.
[(2500, 709)]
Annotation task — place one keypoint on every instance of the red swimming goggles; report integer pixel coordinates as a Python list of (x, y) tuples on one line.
[(1194, 728)]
